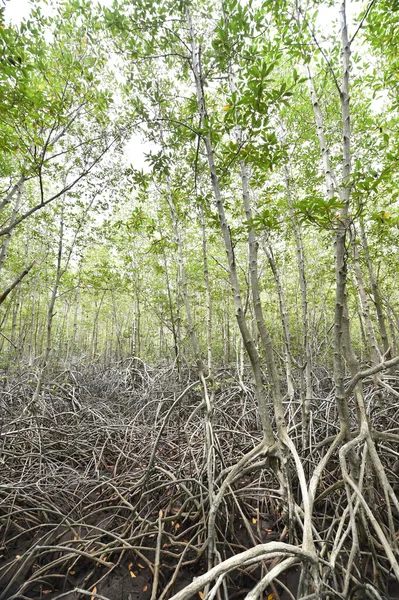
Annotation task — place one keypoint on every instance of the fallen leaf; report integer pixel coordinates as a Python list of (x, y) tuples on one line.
[(201, 595), (130, 566), (17, 556), (269, 530), (270, 597), (132, 575), (177, 526), (145, 588), (141, 566), (94, 590), (160, 513), (72, 572), (254, 521), (47, 591)]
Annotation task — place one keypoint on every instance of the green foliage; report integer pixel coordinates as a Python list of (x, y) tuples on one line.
[(73, 82), (319, 210)]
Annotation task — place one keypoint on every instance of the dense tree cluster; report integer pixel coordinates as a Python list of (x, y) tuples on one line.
[(258, 245)]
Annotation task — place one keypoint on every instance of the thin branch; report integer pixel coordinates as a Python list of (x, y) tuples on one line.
[(30, 212), (322, 51), (370, 6)]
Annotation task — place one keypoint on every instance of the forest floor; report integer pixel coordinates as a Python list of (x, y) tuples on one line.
[(104, 491)]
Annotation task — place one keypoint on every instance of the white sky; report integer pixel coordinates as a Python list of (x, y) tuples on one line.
[(16, 10)]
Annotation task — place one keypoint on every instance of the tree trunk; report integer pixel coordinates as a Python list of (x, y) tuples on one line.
[(307, 364), (376, 294), (268, 250)]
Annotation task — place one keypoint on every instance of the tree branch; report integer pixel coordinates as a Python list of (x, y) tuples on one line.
[(16, 282), (370, 6), (30, 212)]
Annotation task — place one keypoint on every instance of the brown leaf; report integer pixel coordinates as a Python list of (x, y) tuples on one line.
[(94, 590), (145, 588), (130, 566), (201, 595), (141, 566), (160, 513)]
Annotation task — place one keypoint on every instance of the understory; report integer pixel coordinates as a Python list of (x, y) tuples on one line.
[(106, 490)]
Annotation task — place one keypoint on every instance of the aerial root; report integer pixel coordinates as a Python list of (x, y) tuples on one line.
[(113, 479)]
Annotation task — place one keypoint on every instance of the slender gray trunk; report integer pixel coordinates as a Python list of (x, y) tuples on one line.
[(268, 250), (14, 214), (307, 365), (376, 294)]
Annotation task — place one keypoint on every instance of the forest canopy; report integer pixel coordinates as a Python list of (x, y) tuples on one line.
[(199, 303)]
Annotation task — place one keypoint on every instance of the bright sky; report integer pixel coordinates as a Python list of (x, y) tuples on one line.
[(16, 10)]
